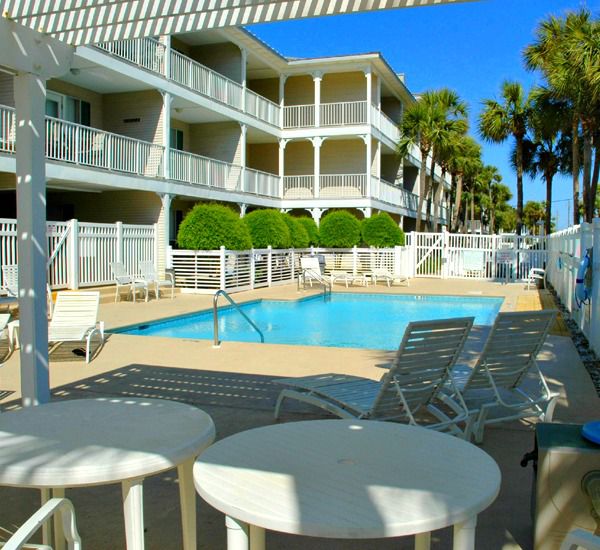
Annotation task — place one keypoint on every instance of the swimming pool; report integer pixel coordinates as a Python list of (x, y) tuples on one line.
[(372, 321)]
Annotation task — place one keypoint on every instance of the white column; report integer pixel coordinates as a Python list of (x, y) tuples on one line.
[(30, 101), (369, 154), (378, 160), (369, 75), (166, 128), (317, 77), (595, 313), (243, 76), (166, 199), (282, 79), (167, 42), (243, 133), (243, 208), (282, 144), (317, 142), (316, 214), (378, 93)]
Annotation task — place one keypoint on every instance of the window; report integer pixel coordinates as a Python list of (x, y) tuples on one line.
[(68, 108), (176, 139)]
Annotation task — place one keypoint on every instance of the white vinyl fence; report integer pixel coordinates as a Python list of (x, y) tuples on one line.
[(566, 249), (79, 254)]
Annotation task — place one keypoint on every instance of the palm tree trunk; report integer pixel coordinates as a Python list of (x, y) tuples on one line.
[(423, 191), (457, 202), (588, 201), (492, 221), (548, 221), (519, 184), (575, 155), (596, 172), (473, 213), (466, 215)]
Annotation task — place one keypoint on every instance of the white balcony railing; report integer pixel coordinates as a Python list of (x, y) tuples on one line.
[(298, 116), (145, 52), (344, 113), (388, 127), (199, 170), (342, 186), (392, 194), (261, 183), (262, 108), (298, 187)]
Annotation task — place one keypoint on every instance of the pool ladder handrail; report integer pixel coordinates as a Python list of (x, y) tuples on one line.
[(318, 277), (221, 292)]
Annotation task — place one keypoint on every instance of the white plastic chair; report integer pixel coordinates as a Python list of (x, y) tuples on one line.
[(496, 386), (150, 277), (536, 274), (311, 270), (409, 390), (75, 319), (61, 506), (124, 280), (581, 539)]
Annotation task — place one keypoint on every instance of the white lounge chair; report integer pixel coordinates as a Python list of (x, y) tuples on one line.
[(75, 319), (409, 389), (311, 270), (125, 281), (497, 386), (150, 276), (578, 539), (387, 276), (536, 274), (61, 506)]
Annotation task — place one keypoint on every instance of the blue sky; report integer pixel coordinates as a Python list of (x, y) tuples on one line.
[(470, 47)]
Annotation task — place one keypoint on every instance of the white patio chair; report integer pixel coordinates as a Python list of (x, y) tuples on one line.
[(150, 276), (61, 506), (387, 276), (409, 391), (10, 287), (125, 281), (75, 319), (311, 270), (536, 274), (497, 387), (579, 538)]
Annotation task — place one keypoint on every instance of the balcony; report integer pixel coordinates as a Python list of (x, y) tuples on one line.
[(150, 54)]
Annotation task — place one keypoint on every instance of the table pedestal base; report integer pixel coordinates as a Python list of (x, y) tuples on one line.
[(464, 534), (241, 536)]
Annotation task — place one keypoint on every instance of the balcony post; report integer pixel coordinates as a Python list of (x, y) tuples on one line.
[(243, 133), (317, 142), (30, 97), (282, 79), (378, 163), (164, 231), (369, 77), (317, 77), (282, 144), (369, 152), (167, 63), (243, 76), (166, 138)]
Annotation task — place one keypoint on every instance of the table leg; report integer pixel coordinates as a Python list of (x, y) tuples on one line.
[(423, 541), (133, 498), (464, 534), (257, 538), (237, 534), (187, 501), (59, 534), (47, 526)]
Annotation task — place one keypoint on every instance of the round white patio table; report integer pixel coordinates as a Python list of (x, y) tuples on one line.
[(349, 479), (100, 441)]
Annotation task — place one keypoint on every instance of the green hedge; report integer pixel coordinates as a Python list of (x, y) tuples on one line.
[(311, 229), (268, 228), (298, 234), (339, 229), (381, 231), (210, 226)]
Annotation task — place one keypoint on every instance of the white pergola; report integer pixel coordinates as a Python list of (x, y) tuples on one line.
[(37, 41)]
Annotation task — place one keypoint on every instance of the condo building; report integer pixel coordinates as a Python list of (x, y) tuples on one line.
[(140, 130)]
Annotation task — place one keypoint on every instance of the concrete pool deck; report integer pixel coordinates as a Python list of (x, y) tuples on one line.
[(233, 384)]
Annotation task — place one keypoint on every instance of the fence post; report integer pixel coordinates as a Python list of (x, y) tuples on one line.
[(222, 268), (269, 266), (293, 265), (444, 255), (252, 269), (73, 264), (413, 242), (595, 307), (156, 245), (354, 260), (397, 260), (119, 254), (586, 243)]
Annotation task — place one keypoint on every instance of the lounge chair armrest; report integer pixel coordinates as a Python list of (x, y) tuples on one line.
[(169, 275)]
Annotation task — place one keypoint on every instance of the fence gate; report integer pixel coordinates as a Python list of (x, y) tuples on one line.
[(429, 254)]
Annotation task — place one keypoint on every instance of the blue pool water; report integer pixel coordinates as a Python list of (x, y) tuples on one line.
[(372, 321)]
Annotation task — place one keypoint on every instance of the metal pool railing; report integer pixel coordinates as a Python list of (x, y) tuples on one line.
[(216, 342)]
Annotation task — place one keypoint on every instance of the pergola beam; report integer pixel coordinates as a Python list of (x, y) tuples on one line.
[(77, 23)]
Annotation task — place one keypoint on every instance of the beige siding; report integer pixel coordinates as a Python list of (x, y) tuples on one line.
[(299, 157), (343, 157), (93, 98), (223, 58), (263, 156), (217, 140), (392, 108), (300, 90), (135, 207), (266, 87), (147, 106), (185, 128), (7, 86), (343, 87)]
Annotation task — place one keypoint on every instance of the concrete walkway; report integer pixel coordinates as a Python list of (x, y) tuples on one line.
[(234, 385)]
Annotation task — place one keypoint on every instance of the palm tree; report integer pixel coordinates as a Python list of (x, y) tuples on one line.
[(499, 196), (498, 121), (566, 50)]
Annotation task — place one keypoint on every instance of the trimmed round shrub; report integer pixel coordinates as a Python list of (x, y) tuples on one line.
[(339, 229), (210, 226), (268, 228), (381, 231), (298, 234), (311, 229)]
